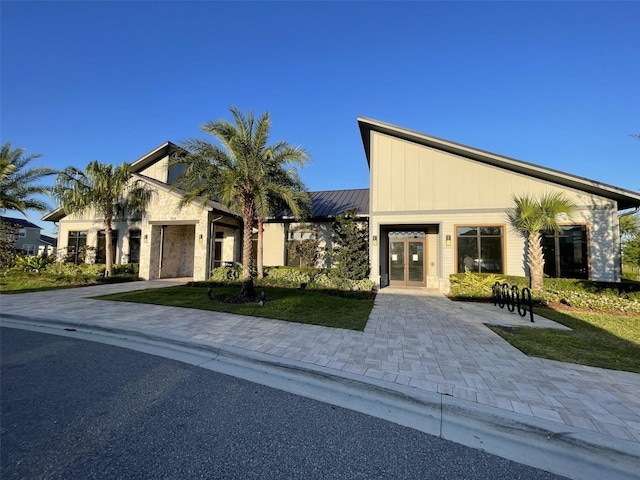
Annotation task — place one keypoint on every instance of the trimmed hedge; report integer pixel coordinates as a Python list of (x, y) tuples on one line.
[(291, 277), (599, 296)]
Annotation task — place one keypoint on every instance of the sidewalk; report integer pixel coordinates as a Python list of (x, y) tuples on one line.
[(414, 341)]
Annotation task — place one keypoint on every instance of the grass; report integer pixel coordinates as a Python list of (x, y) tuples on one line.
[(294, 305), (598, 339), (30, 282)]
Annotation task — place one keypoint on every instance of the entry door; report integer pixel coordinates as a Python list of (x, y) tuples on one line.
[(406, 265)]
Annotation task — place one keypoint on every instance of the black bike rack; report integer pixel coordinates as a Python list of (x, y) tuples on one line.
[(514, 298)]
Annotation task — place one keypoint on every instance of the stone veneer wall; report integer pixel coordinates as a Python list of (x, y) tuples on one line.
[(177, 254)]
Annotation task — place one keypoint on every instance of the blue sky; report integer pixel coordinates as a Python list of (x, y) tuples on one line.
[(551, 83)]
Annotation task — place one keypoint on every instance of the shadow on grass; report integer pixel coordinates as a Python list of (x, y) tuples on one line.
[(597, 339)]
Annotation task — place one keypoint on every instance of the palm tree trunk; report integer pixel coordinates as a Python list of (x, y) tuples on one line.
[(247, 289), (536, 261), (260, 247), (108, 247)]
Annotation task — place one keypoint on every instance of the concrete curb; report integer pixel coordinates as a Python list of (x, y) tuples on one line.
[(572, 452)]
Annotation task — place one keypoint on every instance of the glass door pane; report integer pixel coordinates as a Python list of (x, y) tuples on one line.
[(396, 269), (416, 261)]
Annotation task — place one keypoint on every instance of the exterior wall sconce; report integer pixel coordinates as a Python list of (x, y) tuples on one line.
[(200, 238), (146, 238), (448, 241), (374, 240)]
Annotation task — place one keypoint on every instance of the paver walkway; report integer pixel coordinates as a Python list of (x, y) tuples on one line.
[(412, 338)]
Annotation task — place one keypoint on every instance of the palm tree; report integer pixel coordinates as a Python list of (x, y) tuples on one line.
[(18, 188), (242, 174), (531, 217), (104, 189), (282, 190)]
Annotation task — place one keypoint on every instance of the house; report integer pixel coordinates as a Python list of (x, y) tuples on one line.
[(430, 204), (28, 240)]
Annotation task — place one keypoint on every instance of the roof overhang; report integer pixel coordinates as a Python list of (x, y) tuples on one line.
[(625, 198), (55, 216), (154, 155)]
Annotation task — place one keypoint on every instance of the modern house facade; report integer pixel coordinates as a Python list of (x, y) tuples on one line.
[(435, 202), (433, 206)]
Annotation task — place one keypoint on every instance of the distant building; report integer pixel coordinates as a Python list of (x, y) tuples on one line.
[(28, 240)]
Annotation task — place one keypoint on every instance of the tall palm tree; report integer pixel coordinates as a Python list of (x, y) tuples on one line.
[(18, 187), (240, 174), (104, 189), (531, 217)]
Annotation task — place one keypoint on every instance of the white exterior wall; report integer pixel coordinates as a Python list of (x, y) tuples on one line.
[(158, 170), (274, 240), (413, 185)]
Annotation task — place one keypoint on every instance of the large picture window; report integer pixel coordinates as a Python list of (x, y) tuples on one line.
[(134, 246), (76, 241), (480, 249), (565, 252)]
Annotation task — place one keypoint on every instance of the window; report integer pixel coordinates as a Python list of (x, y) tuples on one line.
[(301, 247), (22, 232), (76, 243), (134, 246), (565, 252), (29, 249), (480, 249), (101, 255)]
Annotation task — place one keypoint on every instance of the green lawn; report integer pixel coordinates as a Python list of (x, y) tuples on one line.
[(598, 339), (293, 305), (32, 282)]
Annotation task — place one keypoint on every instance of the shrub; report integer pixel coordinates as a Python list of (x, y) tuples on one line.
[(584, 294), (32, 264), (226, 274), (289, 276), (328, 279), (8, 231), (474, 285), (63, 269), (126, 269)]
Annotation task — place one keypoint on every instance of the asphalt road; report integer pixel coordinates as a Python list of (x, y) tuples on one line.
[(73, 409)]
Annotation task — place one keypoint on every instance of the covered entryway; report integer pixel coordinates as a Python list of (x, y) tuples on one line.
[(172, 248), (407, 259)]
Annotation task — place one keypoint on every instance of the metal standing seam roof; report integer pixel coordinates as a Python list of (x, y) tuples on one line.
[(329, 203), (20, 222)]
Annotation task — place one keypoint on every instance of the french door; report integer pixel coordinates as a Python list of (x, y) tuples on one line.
[(406, 262)]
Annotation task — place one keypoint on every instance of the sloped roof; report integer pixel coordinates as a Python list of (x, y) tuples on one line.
[(54, 216), (329, 203), (625, 198), (209, 205), (47, 240), (154, 155), (20, 222)]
